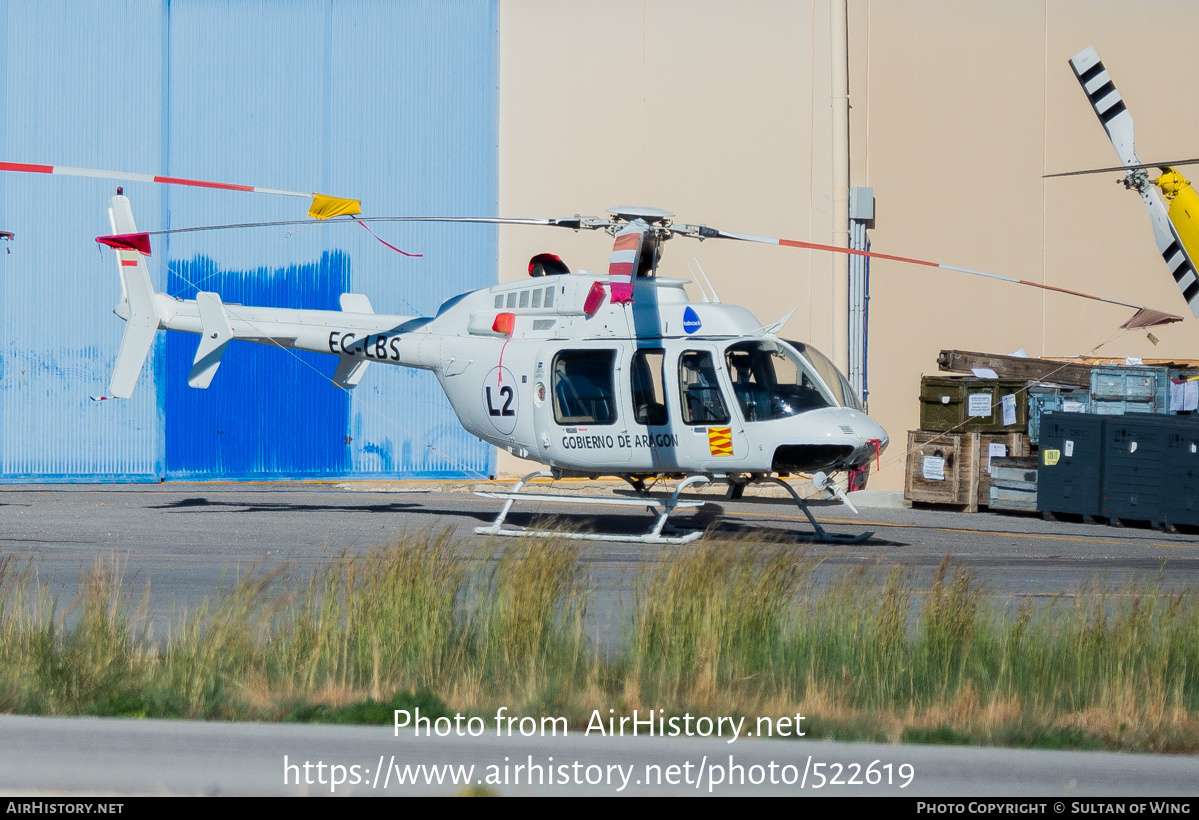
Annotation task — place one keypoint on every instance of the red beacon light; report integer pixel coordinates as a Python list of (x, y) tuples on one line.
[(504, 323), (595, 298)]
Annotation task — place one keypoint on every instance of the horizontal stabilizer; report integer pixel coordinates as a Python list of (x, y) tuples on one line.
[(214, 338), (356, 303), (349, 372)]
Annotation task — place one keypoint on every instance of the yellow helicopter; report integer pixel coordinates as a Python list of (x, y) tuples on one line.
[(1176, 219)]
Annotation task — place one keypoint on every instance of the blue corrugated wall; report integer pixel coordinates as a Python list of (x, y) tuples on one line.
[(393, 103), (289, 420)]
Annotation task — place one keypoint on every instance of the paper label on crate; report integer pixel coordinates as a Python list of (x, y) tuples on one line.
[(934, 468), (1133, 361), (1190, 399), (1009, 409), (1069, 448), (984, 373), (1177, 395), (1051, 457), (995, 451), (979, 404), (1074, 407)]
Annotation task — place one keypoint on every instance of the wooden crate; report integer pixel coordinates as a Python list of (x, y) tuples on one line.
[(1003, 498), (952, 468), (1015, 445), (968, 405), (1014, 483), (942, 468), (1015, 473)]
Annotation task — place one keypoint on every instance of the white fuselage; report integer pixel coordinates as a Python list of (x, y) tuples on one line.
[(614, 392)]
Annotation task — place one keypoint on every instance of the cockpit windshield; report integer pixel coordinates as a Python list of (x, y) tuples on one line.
[(842, 391), (771, 382)]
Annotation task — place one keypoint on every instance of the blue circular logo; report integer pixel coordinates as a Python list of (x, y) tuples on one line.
[(691, 321)]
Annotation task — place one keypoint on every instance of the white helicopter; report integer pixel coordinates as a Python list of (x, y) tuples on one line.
[(618, 374)]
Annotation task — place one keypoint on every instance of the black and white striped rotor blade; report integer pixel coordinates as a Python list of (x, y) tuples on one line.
[(1169, 244), (1106, 101)]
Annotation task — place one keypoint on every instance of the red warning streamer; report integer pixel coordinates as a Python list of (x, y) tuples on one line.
[(385, 242)]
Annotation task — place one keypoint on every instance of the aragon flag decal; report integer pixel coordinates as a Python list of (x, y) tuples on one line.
[(720, 441)]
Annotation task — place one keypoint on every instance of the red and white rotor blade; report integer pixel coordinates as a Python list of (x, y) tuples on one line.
[(706, 232), (322, 206), (68, 171)]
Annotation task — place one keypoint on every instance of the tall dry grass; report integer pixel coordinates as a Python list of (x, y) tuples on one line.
[(719, 628)]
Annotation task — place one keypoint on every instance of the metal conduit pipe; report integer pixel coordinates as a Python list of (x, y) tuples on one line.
[(840, 157)]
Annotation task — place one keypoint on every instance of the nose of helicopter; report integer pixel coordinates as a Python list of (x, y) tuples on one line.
[(868, 437), (828, 439)]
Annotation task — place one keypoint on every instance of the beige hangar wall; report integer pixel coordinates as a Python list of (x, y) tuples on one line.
[(721, 113)]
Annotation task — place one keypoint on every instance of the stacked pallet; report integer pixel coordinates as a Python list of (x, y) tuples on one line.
[(965, 423), (1014, 484), (979, 435)]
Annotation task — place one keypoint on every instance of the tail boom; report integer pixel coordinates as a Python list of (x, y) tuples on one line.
[(356, 333)]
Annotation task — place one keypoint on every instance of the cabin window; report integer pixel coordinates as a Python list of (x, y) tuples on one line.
[(537, 298), (549, 297), (583, 387), (771, 382), (649, 392), (512, 300), (499, 301), (699, 389), (524, 298)]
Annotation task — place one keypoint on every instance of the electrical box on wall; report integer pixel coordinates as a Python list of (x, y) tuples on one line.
[(861, 203)]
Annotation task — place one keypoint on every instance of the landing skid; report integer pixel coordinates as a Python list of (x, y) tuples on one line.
[(661, 507), (819, 535)]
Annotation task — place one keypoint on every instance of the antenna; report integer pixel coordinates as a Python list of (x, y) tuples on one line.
[(708, 282), (695, 279)]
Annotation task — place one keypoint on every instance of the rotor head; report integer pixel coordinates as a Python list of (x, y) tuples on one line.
[(650, 216)]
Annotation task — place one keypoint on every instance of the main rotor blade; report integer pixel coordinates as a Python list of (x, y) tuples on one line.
[(704, 232), (1107, 103), (128, 176), (322, 207), (1172, 164), (575, 223)]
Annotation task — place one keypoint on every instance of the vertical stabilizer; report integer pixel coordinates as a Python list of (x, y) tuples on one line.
[(137, 294)]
